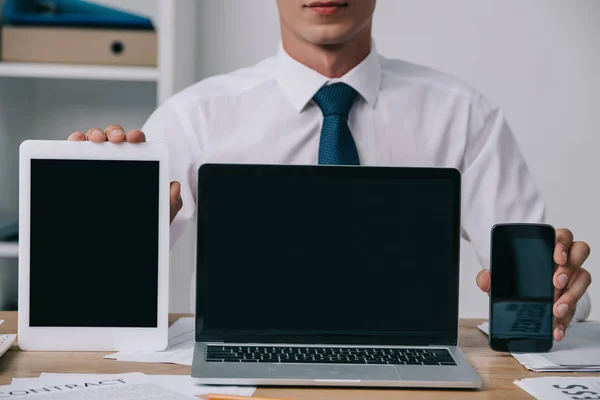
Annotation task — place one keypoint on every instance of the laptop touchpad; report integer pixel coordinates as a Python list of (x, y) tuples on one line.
[(372, 372)]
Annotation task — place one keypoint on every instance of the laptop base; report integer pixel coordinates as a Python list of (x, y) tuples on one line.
[(461, 376)]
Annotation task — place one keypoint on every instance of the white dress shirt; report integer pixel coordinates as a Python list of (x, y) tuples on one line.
[(406, 115)]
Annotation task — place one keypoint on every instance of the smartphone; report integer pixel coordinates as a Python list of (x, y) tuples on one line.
[(522, 291)]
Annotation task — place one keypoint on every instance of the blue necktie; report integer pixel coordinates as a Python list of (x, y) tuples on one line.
[(337, 146)]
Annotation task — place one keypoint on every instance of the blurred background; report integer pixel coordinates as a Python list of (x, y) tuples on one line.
[(538, 60)]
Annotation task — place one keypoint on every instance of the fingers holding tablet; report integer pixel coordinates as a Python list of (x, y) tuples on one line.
[(95, 135), (116, 134), (136, 136), (113, 133), (176, 202), (77, 137), (92, 135)]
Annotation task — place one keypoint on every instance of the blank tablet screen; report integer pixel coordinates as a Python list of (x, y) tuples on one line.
[(94, 243)]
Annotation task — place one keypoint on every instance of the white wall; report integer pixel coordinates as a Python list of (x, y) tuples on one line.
[(537, 59)]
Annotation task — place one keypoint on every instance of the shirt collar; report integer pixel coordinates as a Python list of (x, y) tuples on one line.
[(299, 83)]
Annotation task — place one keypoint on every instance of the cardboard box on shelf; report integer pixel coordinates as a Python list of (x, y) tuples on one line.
[(79, 46)]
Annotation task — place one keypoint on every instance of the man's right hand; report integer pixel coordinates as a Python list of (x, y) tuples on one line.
[(116, 134)]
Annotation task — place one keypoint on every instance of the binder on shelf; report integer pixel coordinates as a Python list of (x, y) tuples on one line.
[(79, 46), (75, 32), (9, 228), (70, 13)]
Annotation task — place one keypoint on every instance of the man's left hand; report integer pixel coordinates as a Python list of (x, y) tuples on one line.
[(571, 280)]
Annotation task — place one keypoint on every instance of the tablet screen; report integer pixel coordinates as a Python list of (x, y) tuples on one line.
[(94, 243)]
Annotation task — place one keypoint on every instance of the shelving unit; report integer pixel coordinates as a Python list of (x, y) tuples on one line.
[(9, 250), (85, 72), (50, 101)]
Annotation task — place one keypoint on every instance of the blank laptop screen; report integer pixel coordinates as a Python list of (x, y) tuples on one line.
[(94, 243), (306, 253)]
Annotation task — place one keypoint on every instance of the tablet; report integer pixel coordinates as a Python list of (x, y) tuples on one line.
[(93, 246)]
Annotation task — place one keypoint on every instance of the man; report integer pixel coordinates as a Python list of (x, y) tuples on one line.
[(328, 97)]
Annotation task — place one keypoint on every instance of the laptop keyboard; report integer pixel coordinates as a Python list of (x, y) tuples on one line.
[(329, 355)]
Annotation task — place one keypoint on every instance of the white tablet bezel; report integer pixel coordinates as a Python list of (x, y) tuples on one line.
[(97, 338)]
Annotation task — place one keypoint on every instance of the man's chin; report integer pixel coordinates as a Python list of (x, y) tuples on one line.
[(330, 36)]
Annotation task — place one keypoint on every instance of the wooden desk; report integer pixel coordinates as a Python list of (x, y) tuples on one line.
[(498, 371)]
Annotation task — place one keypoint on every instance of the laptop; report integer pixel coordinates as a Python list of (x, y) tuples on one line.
[(328, 276)]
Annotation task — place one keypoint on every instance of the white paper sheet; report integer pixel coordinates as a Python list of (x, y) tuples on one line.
[(556, 388), (23, 381), (578, 352), (179, 351), (92, 387), (183, 384)]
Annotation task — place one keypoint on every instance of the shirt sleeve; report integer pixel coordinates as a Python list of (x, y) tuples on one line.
[(165, 126), (497, 186)]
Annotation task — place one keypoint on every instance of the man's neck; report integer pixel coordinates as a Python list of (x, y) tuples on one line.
[(332, 61)]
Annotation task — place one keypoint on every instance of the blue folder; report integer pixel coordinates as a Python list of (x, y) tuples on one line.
[(9, 228), (71, 13)]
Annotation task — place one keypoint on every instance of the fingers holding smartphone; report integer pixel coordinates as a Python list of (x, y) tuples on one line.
[(522, 291)]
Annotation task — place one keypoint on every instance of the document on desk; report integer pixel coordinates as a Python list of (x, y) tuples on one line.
[(183, 385), (557, 388), (578, 352), (179, 351), (130, 387)]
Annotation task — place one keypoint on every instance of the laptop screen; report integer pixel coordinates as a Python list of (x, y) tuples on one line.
[(367, 254)]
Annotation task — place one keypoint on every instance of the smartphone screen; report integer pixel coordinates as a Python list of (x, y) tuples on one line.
[(522, 292)]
